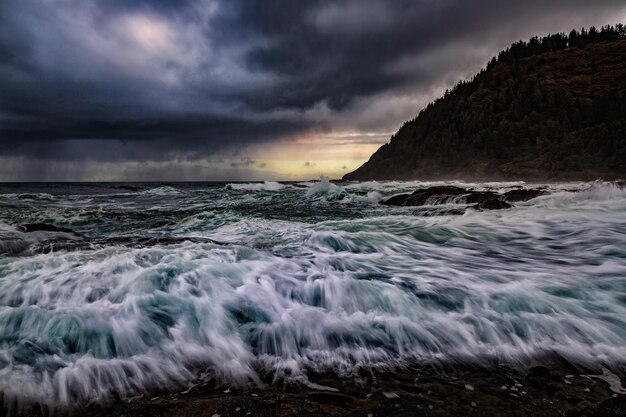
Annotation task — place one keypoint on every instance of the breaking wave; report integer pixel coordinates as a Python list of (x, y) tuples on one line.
[(264, 186)]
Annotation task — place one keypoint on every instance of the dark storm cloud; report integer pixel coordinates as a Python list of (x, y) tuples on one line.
[(337, 51), (168, 81)]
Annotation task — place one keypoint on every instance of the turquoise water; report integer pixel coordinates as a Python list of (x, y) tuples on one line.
[(295, 278)]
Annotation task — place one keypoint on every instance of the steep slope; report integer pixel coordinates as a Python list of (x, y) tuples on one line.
[(552, 108)]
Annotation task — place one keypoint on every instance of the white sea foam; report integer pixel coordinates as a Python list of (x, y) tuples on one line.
[(261, 186), (163, 190), (325, 190), (613, 380)]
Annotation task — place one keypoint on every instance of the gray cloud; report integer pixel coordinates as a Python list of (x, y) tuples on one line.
[(243, 162), (177, 82)]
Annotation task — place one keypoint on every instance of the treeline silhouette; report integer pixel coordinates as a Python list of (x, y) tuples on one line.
[(549, 107), (558, 41), (539, 45)]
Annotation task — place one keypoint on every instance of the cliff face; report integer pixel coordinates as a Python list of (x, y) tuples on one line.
[(531, 114)]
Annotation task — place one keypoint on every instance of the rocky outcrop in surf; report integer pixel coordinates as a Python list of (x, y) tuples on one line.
[(464, 198), (50, 238), (45, 227)]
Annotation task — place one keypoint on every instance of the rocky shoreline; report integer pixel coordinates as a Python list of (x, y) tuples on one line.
[(559, 389)]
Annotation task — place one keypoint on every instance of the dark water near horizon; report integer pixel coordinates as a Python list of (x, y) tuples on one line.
[(160, 285)]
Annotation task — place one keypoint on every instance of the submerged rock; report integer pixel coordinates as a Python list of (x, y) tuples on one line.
[(45, 227), (14, 246)]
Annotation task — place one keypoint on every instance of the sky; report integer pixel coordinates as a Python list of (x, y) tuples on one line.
[(224, 90)]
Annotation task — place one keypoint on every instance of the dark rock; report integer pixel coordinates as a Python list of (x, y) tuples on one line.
[(330, 397), (522, 195), (540, 376), (45, 227), (493, 204), (446, 194), (440, 194), (480, 196), (396, 200), (421, 391), (539, 372)]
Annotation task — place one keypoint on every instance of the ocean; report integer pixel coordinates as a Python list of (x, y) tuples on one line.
[(116, 290)]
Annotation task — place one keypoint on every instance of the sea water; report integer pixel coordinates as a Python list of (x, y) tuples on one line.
[(159, 286)]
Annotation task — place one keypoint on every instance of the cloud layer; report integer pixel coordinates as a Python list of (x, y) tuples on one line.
[(185, 89)]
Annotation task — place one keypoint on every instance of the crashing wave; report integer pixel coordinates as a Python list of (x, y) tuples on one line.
[(326, 190), (163, 190), (264, 186)]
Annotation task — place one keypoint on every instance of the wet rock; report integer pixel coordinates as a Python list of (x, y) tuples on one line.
[(421, 197), (412, 391), (448, 194), (460, 198), (480, 196), (330, 397), (538, 376), (522, 195), (396, 200), (438, 193), (493, 204)]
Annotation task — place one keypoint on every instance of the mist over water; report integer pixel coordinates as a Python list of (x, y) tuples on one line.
[(289, 279)]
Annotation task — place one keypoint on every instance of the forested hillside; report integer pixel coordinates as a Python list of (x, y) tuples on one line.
[(549, 108)]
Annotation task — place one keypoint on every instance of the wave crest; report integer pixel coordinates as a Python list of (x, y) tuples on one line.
[(264, 186)]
